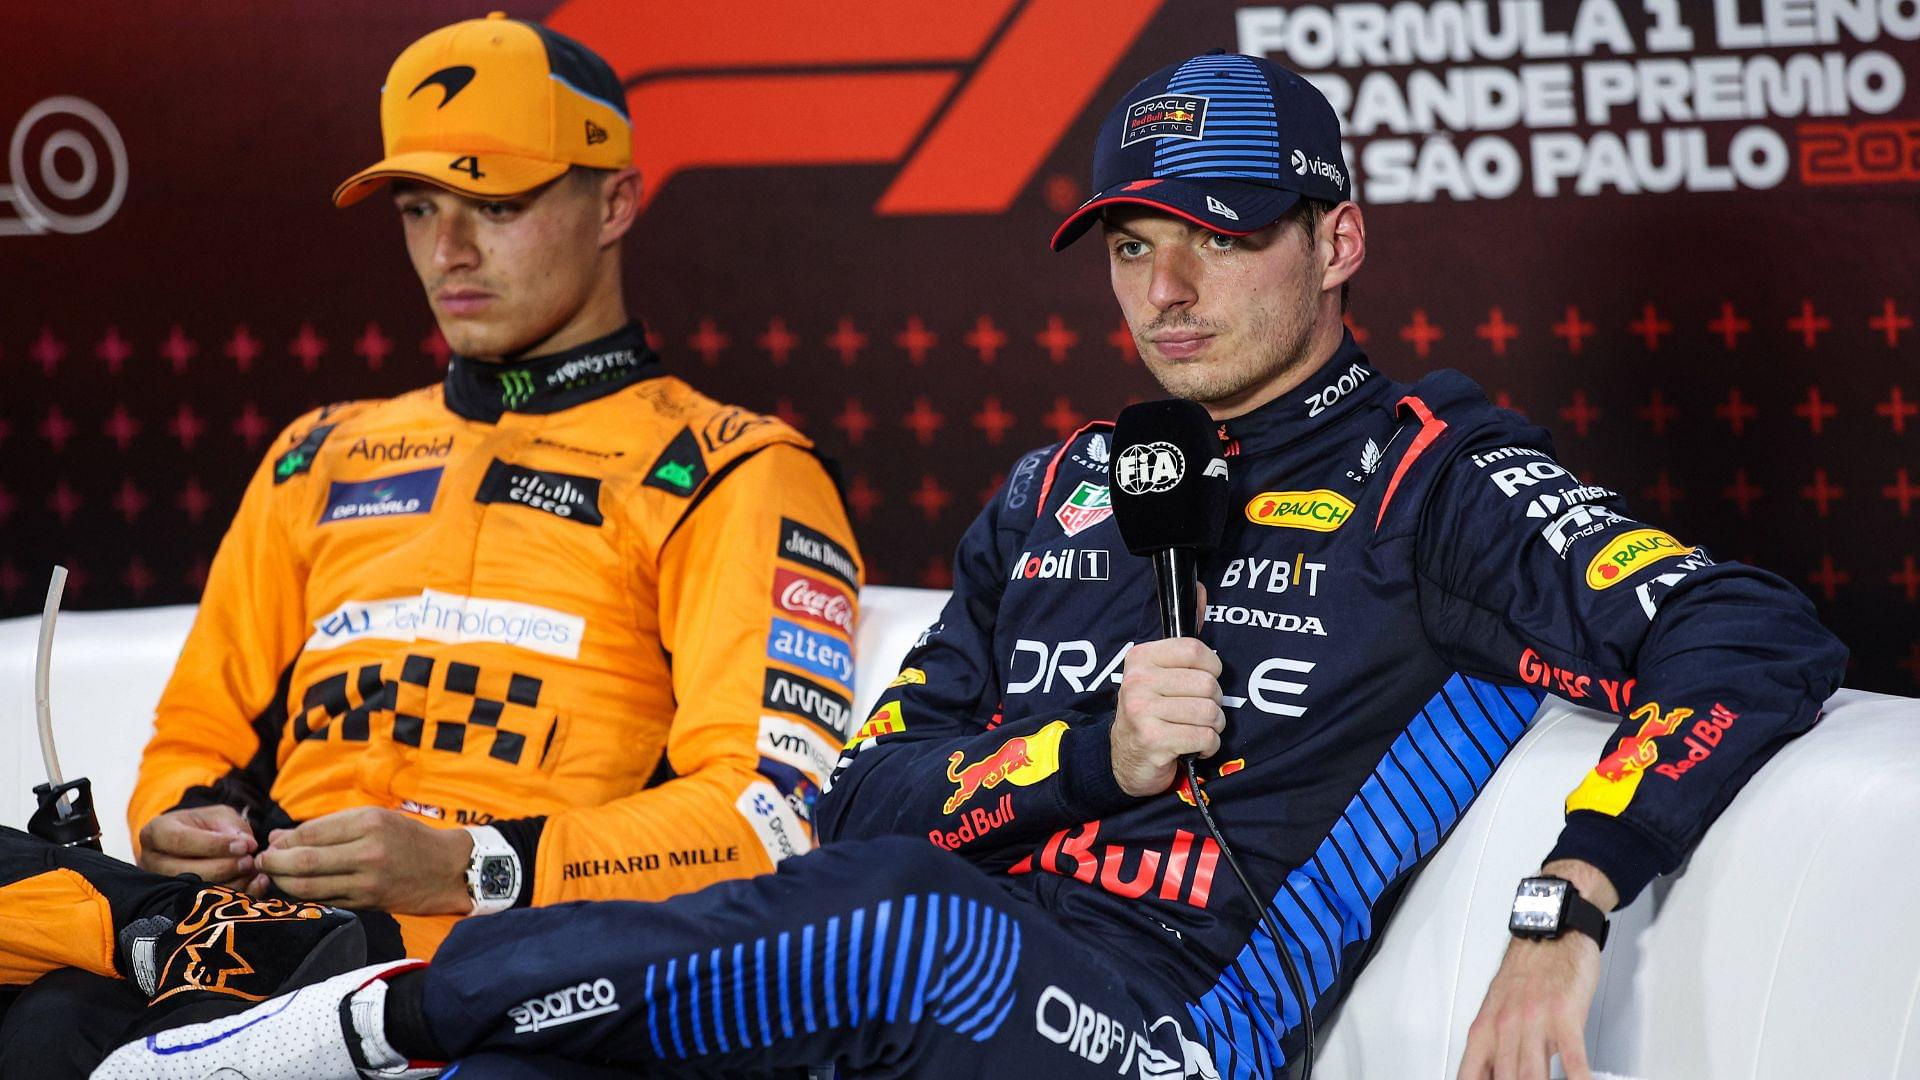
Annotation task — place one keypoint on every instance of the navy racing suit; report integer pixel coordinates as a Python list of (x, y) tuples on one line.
[(1406, 571)]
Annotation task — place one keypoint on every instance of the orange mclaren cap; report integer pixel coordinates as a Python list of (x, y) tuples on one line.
[(495, 107)]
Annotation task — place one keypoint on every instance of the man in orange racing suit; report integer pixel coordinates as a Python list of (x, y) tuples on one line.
[(560, 628)]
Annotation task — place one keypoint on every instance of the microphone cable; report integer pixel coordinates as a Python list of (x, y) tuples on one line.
[(1279, 942)]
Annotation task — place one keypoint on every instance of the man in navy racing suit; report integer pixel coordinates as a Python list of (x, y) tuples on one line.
[(1014, 883)]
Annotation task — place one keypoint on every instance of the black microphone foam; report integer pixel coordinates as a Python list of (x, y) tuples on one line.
[(1169, 477)]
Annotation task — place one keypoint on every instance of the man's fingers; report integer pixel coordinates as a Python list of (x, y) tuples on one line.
[(337, 890), (1473, 1064), (1573, 1054), (341, 827), (290, 861), (1186, 683), (177, 837), (1174, 653)]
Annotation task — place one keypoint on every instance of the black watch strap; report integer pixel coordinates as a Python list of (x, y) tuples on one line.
[(1584, 916)]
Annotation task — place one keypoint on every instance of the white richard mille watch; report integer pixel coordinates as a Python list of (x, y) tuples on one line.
[(493, 871)]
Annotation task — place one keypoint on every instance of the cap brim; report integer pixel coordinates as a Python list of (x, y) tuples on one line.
[(501, 176), (1228, 207)]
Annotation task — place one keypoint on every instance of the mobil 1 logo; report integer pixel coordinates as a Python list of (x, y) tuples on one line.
[(1067, 564)]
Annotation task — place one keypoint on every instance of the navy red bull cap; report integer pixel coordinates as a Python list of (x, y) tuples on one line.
[(1225, 141)]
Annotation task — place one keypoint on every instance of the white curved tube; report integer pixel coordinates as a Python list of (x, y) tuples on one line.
[(42, 669)]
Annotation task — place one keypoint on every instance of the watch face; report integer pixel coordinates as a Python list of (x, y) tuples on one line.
[(496, 877), (1537, 906)]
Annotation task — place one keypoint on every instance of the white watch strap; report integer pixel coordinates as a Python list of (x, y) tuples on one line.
[(488, 843)]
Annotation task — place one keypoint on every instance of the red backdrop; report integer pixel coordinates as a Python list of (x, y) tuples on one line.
[(1681, 237)]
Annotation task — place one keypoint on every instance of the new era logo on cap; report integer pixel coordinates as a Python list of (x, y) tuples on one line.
[(1228, 142)]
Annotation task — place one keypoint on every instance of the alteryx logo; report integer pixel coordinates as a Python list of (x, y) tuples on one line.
[(386, 496), (817, 654)]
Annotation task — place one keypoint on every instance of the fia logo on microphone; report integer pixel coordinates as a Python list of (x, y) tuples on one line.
[(1146, 468)]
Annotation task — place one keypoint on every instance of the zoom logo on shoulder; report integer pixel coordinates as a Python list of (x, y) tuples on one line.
[(564, 495)]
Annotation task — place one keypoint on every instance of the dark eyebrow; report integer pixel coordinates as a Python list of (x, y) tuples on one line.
[(1114, 227)]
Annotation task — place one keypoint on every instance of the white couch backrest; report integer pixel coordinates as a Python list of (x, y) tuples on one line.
[(1787, 947)]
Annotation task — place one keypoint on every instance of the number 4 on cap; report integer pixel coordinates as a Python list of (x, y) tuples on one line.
[(469, 165)]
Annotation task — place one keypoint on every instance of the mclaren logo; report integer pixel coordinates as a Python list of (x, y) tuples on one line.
[(451, 80)]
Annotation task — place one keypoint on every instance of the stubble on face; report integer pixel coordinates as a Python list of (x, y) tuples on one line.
[(1262, 315)]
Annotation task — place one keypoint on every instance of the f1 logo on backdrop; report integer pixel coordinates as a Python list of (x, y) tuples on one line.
[(969, 98)]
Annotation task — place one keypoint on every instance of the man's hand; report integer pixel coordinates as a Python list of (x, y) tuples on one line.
[(214, 842), (1169, 706), (1537, 1004), (371, 858)]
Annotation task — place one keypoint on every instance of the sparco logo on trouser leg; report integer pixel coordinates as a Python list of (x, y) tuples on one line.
[(577, 1002)]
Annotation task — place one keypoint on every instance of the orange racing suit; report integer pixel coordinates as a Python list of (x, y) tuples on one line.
[(569, 597)]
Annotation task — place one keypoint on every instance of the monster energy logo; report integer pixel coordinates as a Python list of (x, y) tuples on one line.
[(515, 387), (675, 473)]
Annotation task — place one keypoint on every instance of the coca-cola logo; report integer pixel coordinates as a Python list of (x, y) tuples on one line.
[(813, 599)]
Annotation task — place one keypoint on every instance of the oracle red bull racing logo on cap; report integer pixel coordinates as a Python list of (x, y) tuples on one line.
[(1022, 761), (1165, 116)]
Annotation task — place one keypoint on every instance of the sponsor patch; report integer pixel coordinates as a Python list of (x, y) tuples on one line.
[(1610, 786), (809, 547), (455, 619), (300, 458), (820, 654), (1022, 761), (909, 676), (728, 425), (1020, 483), (400, 449), (1319, 510), (789, 693), (798, 745), (680, 467), (595, 368), (1630, 552), (1654, 590), (813, 600), (564, 495), (387, 496), (773, 821), (1066, 564), (1164, 116), (578, 1002), (1089, 505), (886, 720), (800, 787)]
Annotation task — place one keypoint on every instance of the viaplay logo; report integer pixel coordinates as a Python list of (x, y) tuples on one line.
[(967, 99)]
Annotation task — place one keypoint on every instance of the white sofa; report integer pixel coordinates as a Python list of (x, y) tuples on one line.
[(1788, 947)]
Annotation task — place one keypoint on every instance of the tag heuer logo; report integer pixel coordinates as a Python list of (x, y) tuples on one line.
[(1089, 505)]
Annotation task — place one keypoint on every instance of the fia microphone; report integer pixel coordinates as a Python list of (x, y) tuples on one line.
[(1168, 484)]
